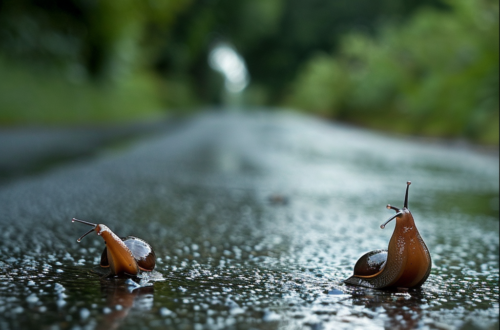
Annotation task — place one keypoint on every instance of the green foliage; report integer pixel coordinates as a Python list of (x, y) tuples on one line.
[(436, 75), (80, 61), (244, 24), (29, 98), (273, 36)]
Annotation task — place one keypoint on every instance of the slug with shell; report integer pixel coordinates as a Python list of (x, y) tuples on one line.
[(123, 256), (405, 264)]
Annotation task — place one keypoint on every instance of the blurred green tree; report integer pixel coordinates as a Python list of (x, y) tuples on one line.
[(107, 60), (81, 60), (274, 36), (436, 74)]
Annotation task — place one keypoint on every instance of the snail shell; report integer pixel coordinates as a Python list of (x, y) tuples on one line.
[(371, 263)]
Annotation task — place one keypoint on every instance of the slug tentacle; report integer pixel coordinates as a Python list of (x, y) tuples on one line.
[(86, 223), (389, 206), (382, 226), (80, 239), (406, 195)]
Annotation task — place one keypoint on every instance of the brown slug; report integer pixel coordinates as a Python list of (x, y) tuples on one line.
[(406, 263), (123, 256)]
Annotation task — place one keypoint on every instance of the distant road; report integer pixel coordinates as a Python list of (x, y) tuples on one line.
[(27, 149)]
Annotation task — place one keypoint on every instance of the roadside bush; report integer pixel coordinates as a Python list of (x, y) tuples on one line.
[(435, 75)]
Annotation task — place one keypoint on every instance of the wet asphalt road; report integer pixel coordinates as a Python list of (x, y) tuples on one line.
[(256, 219)]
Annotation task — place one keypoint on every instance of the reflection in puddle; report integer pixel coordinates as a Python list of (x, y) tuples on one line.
[(399, 309), (122, 296)]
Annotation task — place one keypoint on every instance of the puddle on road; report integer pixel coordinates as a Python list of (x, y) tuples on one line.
[(255, 222)]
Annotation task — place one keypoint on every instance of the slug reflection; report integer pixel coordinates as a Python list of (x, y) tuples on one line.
[(403, 309), (121, 299)]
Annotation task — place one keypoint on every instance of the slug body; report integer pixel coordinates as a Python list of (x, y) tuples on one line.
[(123, 256), (406, 263)]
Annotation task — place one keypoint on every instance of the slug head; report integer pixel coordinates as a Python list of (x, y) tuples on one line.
[(399, 212)]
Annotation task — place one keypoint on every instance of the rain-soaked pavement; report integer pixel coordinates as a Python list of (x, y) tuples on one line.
[(255, 219)]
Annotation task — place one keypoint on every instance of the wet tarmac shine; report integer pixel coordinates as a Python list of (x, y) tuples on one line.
[(256, 219)]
